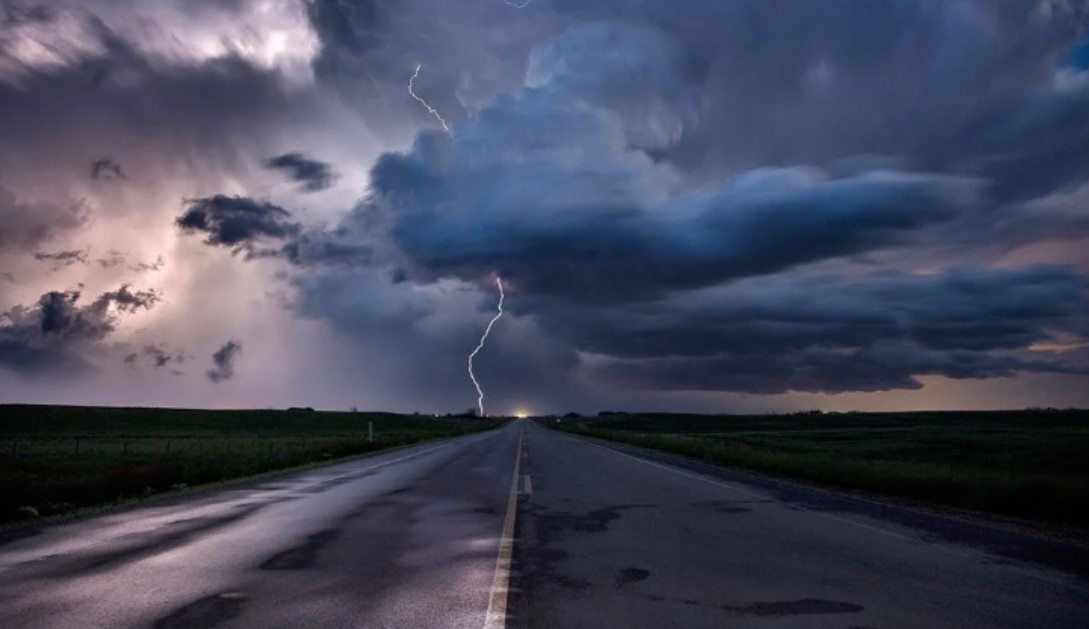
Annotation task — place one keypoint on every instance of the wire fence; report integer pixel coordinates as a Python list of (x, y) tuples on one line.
[(144, 448)]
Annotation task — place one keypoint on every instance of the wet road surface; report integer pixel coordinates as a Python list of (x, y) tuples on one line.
[(608, 539), (604, 537), (403, 539)]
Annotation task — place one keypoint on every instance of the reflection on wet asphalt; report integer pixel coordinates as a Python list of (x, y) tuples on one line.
[(628, 539), (405, 538), (605, 537)]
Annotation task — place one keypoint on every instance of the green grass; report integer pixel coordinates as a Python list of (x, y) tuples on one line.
[(60, 459), (1028, 464)]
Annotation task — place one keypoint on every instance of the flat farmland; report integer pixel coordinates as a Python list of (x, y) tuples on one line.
[(1028, 464), (59, 459)]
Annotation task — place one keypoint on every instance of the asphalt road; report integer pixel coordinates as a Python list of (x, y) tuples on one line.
[(604, 537), (403, 539)]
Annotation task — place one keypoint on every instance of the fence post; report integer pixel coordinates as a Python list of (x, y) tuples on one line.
[(77, 446), (370, 432)]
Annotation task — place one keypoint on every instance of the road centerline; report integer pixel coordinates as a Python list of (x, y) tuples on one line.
[(496, 617)]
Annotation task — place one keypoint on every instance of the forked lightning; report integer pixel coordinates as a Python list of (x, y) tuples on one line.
[(480, 346), (411, 91)]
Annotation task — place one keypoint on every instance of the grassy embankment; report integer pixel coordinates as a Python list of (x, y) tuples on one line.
[(58, 459), (1028, 464)]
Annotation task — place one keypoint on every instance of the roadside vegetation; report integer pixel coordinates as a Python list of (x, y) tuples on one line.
[(1031, 464), (60, 459)]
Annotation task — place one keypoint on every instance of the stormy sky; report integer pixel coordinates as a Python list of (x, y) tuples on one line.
[(709, 205)]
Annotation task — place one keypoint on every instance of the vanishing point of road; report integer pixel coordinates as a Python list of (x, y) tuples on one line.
[(526, 527)]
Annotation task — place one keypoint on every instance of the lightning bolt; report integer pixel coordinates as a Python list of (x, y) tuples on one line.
[(411, 82), (518, 6), (480, 346)]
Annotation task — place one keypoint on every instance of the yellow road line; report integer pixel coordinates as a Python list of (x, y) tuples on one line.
[(496, 617)]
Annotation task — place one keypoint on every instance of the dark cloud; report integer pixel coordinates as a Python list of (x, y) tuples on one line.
[(106, 169), (263, 230), (886, 367), (126, 300), (314, 176), (62, 258), (940, 86), (55, 333), (158, 356), (235, 221), (832, 334), (223, 361), (631, 174), (716, 87)]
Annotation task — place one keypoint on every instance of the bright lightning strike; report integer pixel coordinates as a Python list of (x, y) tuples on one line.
[(487, 331), (411, 82), (518, 6)]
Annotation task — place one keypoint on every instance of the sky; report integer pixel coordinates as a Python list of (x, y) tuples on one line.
[(711, 205)]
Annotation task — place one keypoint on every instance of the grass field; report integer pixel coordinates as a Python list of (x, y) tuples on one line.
[(57, 459), (1029, 464)]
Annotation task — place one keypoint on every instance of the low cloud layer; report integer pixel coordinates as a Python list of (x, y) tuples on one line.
[(829, 334)]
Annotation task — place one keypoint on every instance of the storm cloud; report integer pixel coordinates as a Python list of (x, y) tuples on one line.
[(621, 179), (830, 334), (684, 200), (597, 236)]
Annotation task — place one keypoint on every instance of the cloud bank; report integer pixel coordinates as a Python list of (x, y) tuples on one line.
[(689, 204)]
